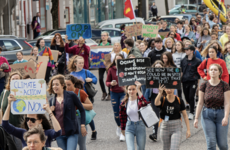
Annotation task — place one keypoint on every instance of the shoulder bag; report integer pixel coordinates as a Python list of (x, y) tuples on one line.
[(91, 91)]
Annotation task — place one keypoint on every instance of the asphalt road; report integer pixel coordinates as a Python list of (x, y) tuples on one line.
[(106, 131)]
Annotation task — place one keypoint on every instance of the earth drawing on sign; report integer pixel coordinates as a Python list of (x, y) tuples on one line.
[(19, 105)]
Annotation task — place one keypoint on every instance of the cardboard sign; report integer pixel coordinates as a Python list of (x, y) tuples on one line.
[(131, 70), (163, 34), (74, 31), (25, 68), (107, 59), (134, 30), (150, 31), (98, 55), (55, 55), (170, 77), (40, 64), (30, 95)]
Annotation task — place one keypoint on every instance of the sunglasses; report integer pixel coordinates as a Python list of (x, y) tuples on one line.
[(31, 119)]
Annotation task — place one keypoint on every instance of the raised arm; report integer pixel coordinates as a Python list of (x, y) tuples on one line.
[(158, 98)]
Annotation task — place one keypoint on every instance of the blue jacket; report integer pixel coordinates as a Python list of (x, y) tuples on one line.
[(70, 119), (81, 75), (191, 35), (197, 54)]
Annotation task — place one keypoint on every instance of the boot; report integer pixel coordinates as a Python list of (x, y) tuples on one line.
[(108, 98), (103, 96)]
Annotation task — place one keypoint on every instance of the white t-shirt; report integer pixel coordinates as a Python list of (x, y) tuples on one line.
[(114, 54), (132, 111), (180, 31)]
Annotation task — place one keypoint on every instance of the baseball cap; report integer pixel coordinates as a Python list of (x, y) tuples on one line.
[(190, 47)]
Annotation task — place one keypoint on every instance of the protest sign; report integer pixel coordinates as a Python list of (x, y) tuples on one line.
[(40, 63), (131, 70), (134, 30), (98, 55), (30, 95), (150, 31), (170, 77), (55, 55), (74, 31), (24, 68), (163, 34)]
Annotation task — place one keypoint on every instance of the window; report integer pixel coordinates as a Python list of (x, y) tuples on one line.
[(108, 26), (191, 8), (96, 33), (113, 33), (9, 45)]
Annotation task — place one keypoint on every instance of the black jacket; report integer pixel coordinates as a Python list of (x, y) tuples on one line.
[(189, 69), (61, 58), (156, 55), (70, 119), (154, 10)]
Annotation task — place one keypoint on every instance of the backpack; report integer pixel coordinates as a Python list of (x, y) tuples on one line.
[(6, 141)]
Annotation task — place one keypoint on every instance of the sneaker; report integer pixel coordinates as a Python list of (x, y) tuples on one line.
[(118, 132), (108, 98), (191, 116), (153, 137), (122, 138), (103, 96), (94, 135)]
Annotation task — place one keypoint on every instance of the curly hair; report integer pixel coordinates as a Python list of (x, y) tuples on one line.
[(61, 79), (9, 79), (53, 42), (72, 63), (77, 83)]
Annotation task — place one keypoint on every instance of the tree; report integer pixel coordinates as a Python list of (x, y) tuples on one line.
[(41, 82), (54, 12), (15, 91)]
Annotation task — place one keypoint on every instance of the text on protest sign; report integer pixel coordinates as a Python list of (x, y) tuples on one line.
[(131, 70), (134, 30), (170, 77), (150, 31), (30, 95), (74, 31), (98, 55), (24, 68)]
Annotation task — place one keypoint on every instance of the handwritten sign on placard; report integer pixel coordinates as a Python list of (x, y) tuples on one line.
[(98, 55), (30, 95), (74, 31), (150, 31), (170, 77), (134, 30), (131, 70), (25, 68)]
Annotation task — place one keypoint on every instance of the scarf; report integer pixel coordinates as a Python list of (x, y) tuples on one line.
[(41, 51)]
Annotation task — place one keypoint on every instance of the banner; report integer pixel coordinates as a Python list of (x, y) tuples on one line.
[(170, 77), (134, 30), (131, 70), (40, 63), (74, 31), (55, 55), (25, 68), (150, 31), (30, 95), (98, 55)]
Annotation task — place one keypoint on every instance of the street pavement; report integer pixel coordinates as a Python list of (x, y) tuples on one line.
[(106, 130)]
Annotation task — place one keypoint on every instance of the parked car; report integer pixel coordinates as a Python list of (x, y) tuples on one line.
[(189, 8), (116, 23), (170, 19), (52, 32), (185, 16), (114, 34), (11, 45)]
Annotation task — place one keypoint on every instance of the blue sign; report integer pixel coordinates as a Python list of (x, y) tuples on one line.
[(74, 31)]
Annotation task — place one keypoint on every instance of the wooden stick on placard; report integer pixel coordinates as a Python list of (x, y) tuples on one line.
[(134, 24)]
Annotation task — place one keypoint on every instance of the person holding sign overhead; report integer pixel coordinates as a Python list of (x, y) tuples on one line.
[(171, 108), (45, 51), (81, 49), (190, 77), (20, 58), (31, 121)]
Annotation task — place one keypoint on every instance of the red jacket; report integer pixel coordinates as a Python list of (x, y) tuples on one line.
[(112, 75), (178, 38), (75, 50), (221, 62), (122, 113)]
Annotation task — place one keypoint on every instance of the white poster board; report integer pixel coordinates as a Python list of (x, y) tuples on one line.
[(30, 95)]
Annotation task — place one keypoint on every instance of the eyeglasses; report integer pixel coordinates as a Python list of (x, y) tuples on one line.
[(31, 119), (103, 35)]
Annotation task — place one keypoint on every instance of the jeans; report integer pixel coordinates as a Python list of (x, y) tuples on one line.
[(215, 133), (101, 79), (116, 101), (92, 125), (81, 139), (147, 94), (137, 129), (67, 142), (189, 89)]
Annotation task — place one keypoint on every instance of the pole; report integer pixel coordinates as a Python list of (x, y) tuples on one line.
[(197, 6), (106, 10)]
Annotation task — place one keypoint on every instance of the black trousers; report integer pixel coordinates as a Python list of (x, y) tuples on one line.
[(47, 77), (156, 109), (101, 79), (61, 69), (189, 89)]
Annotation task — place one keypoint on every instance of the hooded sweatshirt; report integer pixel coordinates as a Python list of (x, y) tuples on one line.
[(177, 57), (224, 38), (155, 54)]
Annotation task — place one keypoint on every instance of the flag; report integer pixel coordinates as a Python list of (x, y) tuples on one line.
[(128, 11), (222, 1)]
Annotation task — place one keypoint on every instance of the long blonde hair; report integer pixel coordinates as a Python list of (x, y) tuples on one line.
[(119, 46), (72, 63), (204, 53)]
